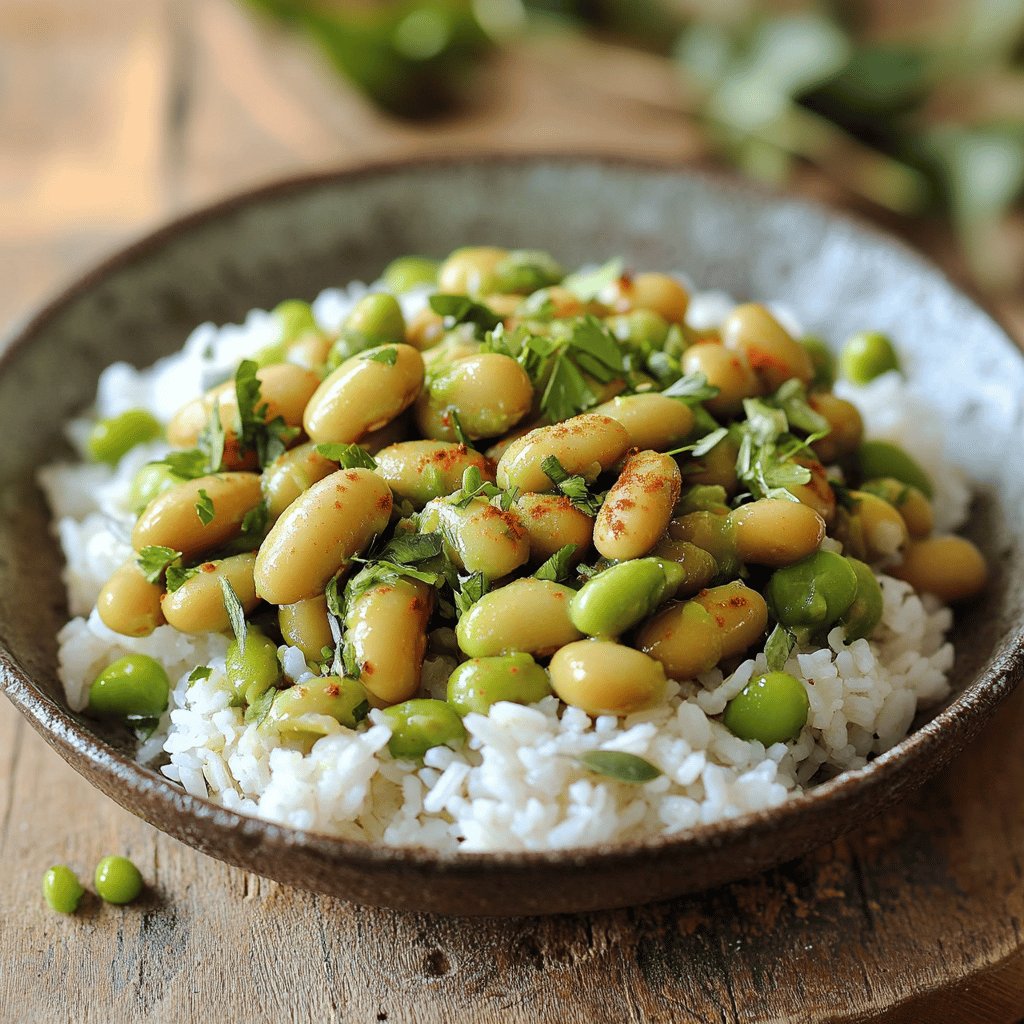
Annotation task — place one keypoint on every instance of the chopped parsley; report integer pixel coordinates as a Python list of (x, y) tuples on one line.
[(620, 766), (348, 456), (236, 613), (778, 648), (690, 389), (588, 284), (573, 486), (204, 508), (154, 560), (558, 567), (460, 309), (387, 356)]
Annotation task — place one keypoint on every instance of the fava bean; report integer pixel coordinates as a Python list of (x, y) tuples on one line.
[(291, 474), (814, 593), (457, 344), (775, 531), (712, 533), (652, 421), (117, 880), (699, 566), (319, 532), (845, 423), (552, 521), (135, 686), (817, 493), (197, 606), (823, 360), (129, 604), (770, 350), (643, 330), (408, 272), (660, 293), (860, 619), (606, 678), (526, 615), (684, 639), (620, 596), (585, 444), (254, 669), (490, 393), (172, 520), (771, 708), (305, 625), (525, 270), (716, 468), (911, 504), (152, 479), (425, 329), (740, 614), (471, 270), (386, 634), (364, 393), (478, 684), (637, 510), (951, 568), (874, 529), (377, 318), (61, 889), (417, 725), (111, 439), (479, 537), (866, 356), (317, 707), (883, 458), (418, 471), (726, 369)]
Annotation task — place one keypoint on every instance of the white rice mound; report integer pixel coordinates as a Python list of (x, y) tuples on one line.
[(517, 784)]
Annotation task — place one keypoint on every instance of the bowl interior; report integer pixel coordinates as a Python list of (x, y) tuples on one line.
[(300, 238)]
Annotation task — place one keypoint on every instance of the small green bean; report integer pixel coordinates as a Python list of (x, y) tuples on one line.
[(113, 438), (865, 613), (117, 880), (419, 724), (407, 272), (61, 889), (254, 670), (481, 682), (622, 595), (526, 270), (152, 479), (771, 708), (135, 686), (297, 709), (814, 592), (296, 319), (643, 329), (868, 355), (883, 458)]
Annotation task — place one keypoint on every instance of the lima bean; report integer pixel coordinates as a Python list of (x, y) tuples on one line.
[(605, 678), (479, 683), (479, 537), (129, 604), (418, 471), (197, 606)]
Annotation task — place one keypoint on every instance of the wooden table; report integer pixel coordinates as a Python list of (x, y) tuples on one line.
[(120, 113)]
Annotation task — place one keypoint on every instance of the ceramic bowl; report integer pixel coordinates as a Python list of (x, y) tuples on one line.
[(295, 238)]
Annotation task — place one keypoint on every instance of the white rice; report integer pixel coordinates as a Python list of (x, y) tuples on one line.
[(517, 784)]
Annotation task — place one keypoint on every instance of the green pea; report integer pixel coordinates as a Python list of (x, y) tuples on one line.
[(152, 479), (419, 724), (135, 686), (335, 697), (296, 319), (643, 329), (865, 613), (117, 880), (113, 438), (408, 272), (866, 356), (379, 317), (624, 594), (771, 708), (254, 670), (524, 271), (480, 682), (823, 361), (61, 889), (812, 593), (883, 458)]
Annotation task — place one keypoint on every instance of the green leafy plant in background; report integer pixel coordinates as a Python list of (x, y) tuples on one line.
[(930, 122)]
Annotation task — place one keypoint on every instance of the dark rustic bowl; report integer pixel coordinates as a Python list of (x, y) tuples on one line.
[(301, 236)]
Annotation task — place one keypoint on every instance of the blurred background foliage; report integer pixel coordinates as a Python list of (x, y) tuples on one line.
[(925, 121)]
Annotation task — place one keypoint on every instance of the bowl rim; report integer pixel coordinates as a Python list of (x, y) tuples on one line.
[(945, 733)]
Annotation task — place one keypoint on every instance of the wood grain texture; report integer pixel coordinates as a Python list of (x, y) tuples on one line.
[(126, 112)]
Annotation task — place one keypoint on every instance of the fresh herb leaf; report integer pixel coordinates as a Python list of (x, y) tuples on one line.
[(204, 508), (690, 389), (701, 447), (198, 673), (268, 438), (778, 648), (791, 398), (236, 613), (574, 487), (766, 452), (211, 442), (618, 765), (258, 710), (558, 567), (154, 559), (460, 309), (254, 522), (460, 435), (566, 392), (595, 349), (475, 486), (387, 356), (587, 285), (177, 576), (189, 465), (348, 456), (410, 548), (471, 589)]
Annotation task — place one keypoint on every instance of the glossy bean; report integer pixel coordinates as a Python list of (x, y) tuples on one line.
[(845, 423), (638, 508), (951, 568), (883, 458), (317, 534), (479, 537), (418, 725), (306, 625), (652, 421), (874, 529), (135, 686), (717, 468), (197, 606), (585, 444), (253, 669), (817, 493), (699, 566), (622, 595), (860, 619), (478, 684), (911, 504), (813, 594), (364, 393), (128, 603), (660, 293), (152, 479), (739, 612), (712, 533), (683, 638), (418, 471), (291, 474), (772, 708), (605, 678), (317, 707), (527, 615), (769, 349), (470, 270), (776, 531), (408, 272), (552, 521), (386, 634), (111, 439), (726, 369), (172, 520)]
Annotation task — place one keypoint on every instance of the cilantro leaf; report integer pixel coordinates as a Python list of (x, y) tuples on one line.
[(558, 567), (154, 559), (574, 487), (348, 456), (778, 648), (595, 349), (475, 486), (620, 766), (471, 589), (691, 388), (211, 442), (387, 356), (791, 398), (258, 710), (566, 392), (460, 435), (198, 673), (189, 465), (588, 284), (411, 548), (460, 309), (702, 446), (236, 613), (177, 576), (204, 508)]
